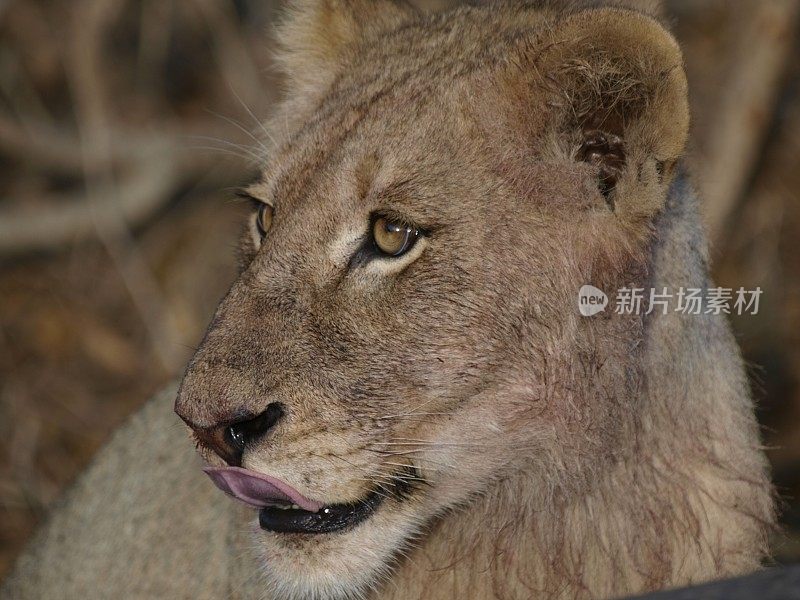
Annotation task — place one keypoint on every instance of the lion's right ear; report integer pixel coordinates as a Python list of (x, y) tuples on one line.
[(315, 36)]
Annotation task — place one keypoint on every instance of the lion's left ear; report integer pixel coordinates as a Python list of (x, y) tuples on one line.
[(613, 94), (315, 35), (626, 99)]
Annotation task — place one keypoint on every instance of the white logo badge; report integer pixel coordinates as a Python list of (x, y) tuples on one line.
[(591, 300)]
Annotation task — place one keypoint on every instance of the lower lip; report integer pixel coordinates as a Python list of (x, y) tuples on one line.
[(329, 519)]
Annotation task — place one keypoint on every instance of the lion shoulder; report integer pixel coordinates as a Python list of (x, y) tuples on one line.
[(139, 522)]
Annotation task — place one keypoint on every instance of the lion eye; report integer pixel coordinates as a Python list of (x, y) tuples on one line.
[(392, 238), (264, 218)]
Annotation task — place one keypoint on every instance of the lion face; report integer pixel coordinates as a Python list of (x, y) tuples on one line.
[(404, 332)]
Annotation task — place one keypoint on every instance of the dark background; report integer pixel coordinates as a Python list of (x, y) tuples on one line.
[(125, 125)]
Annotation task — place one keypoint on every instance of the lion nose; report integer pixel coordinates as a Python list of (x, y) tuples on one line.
[(230, 439)]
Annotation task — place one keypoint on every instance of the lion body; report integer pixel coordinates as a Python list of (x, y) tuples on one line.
[(563, 457)]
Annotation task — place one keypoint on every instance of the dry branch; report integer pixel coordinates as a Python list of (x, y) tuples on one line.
[(67, 218), (764, 48)]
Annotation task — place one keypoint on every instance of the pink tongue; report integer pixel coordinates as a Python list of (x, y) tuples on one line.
[(258, 490)]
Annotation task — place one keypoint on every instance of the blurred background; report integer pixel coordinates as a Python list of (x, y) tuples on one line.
[(125, 126)]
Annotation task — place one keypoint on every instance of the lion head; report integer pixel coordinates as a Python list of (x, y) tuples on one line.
[(404, 333)]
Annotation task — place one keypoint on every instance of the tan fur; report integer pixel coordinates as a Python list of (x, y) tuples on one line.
[(556, 456)]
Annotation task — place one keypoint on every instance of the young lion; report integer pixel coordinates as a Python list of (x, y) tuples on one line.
[(400, 380)]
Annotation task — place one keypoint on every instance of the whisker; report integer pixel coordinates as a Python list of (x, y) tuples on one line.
[(248, 152), (257, 121), (238, 126), (411, 414)]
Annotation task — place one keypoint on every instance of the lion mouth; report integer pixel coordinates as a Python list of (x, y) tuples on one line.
[(282, 509), (330, 518)]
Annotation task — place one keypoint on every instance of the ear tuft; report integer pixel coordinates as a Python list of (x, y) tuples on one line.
[(606, 152), (603, 87), (623, 74), (315, 35), (624, 100)]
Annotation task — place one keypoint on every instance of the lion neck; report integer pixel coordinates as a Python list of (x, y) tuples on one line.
[(657, 519), (515, 543), (685, 498)]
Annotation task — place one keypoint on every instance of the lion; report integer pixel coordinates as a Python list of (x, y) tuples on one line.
[(400, 390)]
